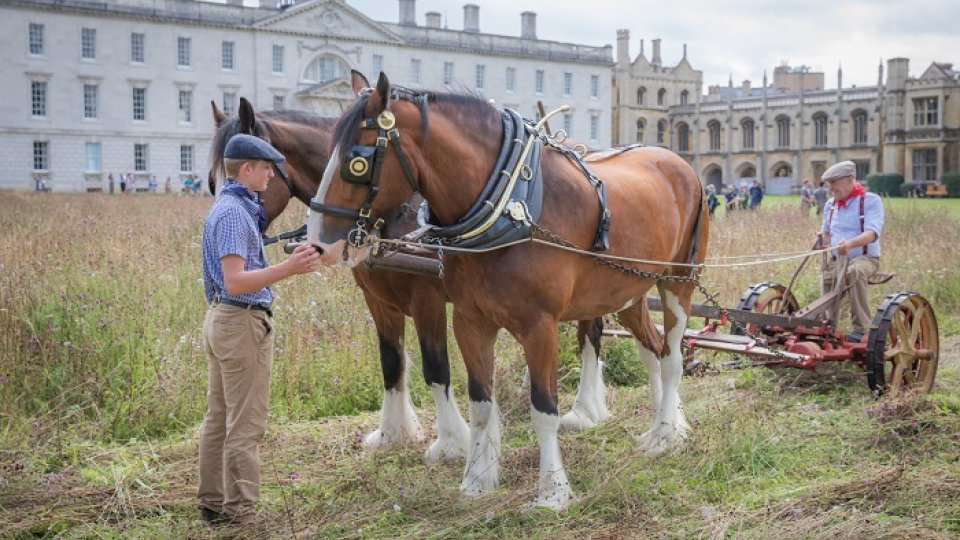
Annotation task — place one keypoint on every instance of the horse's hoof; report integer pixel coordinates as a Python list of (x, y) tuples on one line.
[(442, 450), (662, 439), (581, 420), (558, 501), (378, 440)]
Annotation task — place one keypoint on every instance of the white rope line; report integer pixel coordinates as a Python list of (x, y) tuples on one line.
[(755, 255), (453, 249)]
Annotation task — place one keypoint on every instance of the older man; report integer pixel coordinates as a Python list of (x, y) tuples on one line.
[(852, 222)]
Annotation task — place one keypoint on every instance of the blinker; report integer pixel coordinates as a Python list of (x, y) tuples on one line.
[(357, 165)]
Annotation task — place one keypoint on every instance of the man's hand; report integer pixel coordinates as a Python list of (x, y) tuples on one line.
[(843, 248), (303, 260)]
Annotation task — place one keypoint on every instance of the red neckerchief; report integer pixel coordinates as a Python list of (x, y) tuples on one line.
[(857, 191)]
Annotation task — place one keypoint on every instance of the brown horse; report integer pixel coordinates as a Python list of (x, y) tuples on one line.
[(446, 146), (304, 139)]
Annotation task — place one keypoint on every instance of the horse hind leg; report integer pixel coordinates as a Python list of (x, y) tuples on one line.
[(590, 406), (398, 420), (649, 345), (453, 435)]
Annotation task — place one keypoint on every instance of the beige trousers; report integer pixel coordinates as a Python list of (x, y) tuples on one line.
[(239, 344), (859, 270)]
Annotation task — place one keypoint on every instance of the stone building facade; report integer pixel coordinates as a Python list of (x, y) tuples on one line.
[(93, 88), (792, 129)]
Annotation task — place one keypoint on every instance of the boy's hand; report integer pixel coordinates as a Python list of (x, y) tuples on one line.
[(304, 259)]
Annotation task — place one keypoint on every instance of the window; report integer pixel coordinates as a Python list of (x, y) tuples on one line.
[(594, 126), (226, 55), (538, 81), (415, 71), (278, 103), (229, 102), (924, 164), (186, 158), (925, 111), (41, 155), (90, 100), (140, 154), (641, 95), (481, 70), (38, 98), (278, 59), (183, 52), (594, 86), (448, 73), (860, 129), (567, 122), (328, 68), (88, 43), (511, 79), (36, 39), (783, 132), (137, 50), (185, 109), (640, 125), (863, 168), (820, 129), (747, 127), (567, 84), (684, 97), (91, 152), (377, 64), (139, 103), (683, 136), (661, 130), (661, 96), (714, 128)]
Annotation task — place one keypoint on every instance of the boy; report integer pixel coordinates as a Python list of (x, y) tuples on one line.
[(238, 333)]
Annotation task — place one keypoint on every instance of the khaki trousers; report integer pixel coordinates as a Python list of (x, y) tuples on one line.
[(859, 270), (239, 344)]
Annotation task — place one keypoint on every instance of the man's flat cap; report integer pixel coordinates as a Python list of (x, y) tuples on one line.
[(243, 146), (840, 170)]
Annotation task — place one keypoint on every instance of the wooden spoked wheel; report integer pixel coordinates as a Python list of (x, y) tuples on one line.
[(903, 349), (767, 297)]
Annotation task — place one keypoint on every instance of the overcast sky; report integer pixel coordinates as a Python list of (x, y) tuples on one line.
[(733, 37)]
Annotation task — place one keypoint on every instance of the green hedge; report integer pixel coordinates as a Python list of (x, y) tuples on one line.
[(886, 184), (952, 181)]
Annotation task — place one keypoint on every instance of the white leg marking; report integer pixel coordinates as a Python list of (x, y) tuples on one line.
[(482, 472), (398, 421), (671, 427), (453, 435), (590, 407), (652, 363), (555, 492)]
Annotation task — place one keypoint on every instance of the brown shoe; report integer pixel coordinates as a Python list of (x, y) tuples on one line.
[(210, 517)]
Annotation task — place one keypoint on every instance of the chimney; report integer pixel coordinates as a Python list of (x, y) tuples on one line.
[(623, 47), (471, 18), (746, 88), (528, 25), (408, 12), (655, 59), (434, 19)]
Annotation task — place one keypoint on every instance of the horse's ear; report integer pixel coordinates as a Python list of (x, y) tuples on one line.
[(359, 81), (218, 117), (247, 118), (383, 90)]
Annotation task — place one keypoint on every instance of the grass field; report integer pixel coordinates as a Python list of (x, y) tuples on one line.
[(102, 382)]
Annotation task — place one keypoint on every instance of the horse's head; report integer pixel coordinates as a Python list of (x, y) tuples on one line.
[(372, 170)]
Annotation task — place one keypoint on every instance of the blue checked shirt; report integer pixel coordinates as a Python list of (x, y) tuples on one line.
[(233, 228), (844, 223)]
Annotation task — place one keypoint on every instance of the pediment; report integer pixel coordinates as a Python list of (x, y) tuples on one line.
[(936, 73), (336, 89), (328, 18)]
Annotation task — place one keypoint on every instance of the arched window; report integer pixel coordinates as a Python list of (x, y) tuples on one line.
[(859, 127), (683, 137), (714, 128), (325, 68), (661, 129), (747, 127), (641, 93), (641, 123), (684, 97), (820, 129), (783, 131), (661, 96)]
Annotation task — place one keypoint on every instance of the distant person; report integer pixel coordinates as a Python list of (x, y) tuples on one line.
[(730, 196), (166, 185), (806, 198), (712, 202), (110, 183), (153, 184), (123, 183), (756, 195), (743, 198), (188, 185), (820, 196)]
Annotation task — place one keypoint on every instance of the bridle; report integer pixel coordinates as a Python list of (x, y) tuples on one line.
[(362, 165)]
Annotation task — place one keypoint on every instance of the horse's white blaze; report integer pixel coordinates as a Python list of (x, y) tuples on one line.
[(482, 472), (671, 428), (555, 491), (315, 219), (453, 435), (398, 420), (590, 407)]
